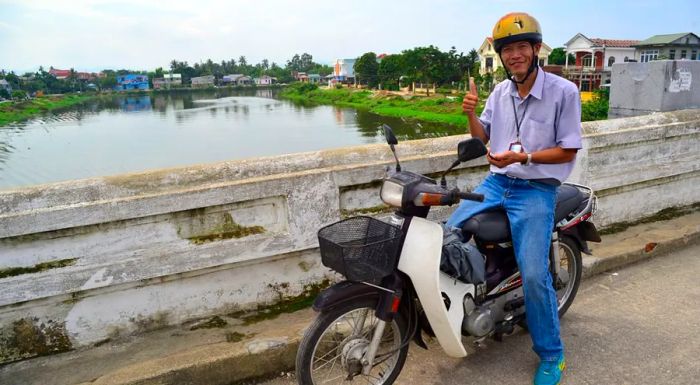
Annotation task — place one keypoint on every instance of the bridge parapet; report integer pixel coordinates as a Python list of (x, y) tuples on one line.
[(87, 260)]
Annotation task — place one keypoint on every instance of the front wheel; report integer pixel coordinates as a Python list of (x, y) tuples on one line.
[(333, 346)]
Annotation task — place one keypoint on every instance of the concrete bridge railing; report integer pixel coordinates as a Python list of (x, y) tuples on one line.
[(89, 260)]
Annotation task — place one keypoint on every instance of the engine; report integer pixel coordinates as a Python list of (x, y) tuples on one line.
[(478, 320)]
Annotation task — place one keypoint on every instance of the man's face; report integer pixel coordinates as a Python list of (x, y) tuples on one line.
[(518, 57)]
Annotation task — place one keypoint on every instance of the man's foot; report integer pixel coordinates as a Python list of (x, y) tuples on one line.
[(549, 372)]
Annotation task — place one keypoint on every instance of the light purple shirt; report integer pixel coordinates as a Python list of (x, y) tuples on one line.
[(552, 119)]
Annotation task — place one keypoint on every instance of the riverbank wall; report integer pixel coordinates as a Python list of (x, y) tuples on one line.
[(87, 261)]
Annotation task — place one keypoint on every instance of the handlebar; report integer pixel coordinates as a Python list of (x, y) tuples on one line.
[(454, 196), (471, 196)]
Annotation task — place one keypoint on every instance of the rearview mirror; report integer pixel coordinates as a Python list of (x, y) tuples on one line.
[(470, 149), (389, 135)]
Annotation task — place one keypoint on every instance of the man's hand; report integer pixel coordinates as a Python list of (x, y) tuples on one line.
[(470, 99), (505, 158)]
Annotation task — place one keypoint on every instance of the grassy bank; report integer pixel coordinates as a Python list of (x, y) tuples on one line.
[(439, 109), (16, 111)]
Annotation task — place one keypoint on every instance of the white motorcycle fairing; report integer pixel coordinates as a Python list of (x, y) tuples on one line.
[(420, 260)]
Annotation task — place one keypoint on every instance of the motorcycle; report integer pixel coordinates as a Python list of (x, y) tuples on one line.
[(395, 290)]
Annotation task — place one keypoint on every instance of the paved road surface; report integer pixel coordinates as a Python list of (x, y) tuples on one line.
[(636, 326)]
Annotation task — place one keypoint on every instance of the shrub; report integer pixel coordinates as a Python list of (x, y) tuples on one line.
[(19, 94)]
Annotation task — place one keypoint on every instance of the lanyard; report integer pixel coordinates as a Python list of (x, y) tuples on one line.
[(515, 113)]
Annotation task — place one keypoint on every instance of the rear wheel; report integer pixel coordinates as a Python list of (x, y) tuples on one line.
[(569, 275), (568, 278), (332, 348)]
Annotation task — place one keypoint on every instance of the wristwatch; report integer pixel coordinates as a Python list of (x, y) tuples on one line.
[(528, 160)]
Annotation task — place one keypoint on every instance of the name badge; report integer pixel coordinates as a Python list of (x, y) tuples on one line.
[(516, 147)]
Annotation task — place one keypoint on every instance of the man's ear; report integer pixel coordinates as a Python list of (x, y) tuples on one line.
[(536, 47)]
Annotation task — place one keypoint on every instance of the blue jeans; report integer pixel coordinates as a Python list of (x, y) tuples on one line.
[(530, 208)]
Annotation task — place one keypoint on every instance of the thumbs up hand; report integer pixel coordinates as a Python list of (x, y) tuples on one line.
[(471, 98)]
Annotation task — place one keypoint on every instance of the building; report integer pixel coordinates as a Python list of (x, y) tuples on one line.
[(132, 82), (59, 74), (4, 85), (343, 70), (236, 80), (594, 59), (300, 76), (264, 80), (203, 81), (676, 46), (490, 61), (86, 76), (314, 78), (167, 81)]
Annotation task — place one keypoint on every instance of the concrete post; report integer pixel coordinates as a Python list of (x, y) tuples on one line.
[(656, 86)]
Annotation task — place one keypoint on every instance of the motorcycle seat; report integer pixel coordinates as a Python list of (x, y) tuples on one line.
[(493, 226)]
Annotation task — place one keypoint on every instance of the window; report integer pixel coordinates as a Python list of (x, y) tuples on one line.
[(541, 62), (611, 61), (627, 59), (694, 55), (672, 54), (489, 63), (586, 61), (649, 55), (683, 54)]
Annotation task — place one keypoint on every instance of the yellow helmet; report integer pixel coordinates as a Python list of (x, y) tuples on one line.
[(516, 26)]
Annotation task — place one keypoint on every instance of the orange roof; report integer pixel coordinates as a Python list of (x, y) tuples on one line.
[(615, 43)]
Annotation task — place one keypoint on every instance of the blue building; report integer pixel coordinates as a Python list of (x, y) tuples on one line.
[(132, 82)]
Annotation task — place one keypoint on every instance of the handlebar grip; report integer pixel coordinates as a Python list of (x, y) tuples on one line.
[(471, 196)]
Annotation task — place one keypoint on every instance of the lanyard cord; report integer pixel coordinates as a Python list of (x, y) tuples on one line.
[(515, 113), (527, 103)]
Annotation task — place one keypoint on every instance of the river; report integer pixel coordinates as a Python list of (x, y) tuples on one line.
[(133, 133)]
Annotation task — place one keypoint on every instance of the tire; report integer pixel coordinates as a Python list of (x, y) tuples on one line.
[(330, 341), (570, 262), (570, 259)]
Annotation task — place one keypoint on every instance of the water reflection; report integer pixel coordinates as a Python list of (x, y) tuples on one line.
[(136, 104), (128, 133)]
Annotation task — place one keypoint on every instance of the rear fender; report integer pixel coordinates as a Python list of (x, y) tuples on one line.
[(581, 233)]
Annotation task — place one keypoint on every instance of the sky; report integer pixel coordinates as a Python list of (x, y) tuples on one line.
[(91, 35)]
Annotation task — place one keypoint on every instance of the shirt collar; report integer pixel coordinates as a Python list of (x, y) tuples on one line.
[(537, 87)]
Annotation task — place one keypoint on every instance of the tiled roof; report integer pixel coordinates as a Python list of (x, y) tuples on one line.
[(663, 39), (614, 43)]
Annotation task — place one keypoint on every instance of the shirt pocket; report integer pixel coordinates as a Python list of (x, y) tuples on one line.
[(538, 133)]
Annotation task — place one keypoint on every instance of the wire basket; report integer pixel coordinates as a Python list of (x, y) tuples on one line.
[(360, 248)]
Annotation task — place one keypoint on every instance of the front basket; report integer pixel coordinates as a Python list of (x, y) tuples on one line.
[(360, 248)]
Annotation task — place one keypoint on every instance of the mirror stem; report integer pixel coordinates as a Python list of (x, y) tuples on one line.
[(443, 182), (398, 165)]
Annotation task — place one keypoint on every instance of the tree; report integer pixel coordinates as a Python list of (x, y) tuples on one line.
[(390, 71), (366, 68), (306, 62), (558, 57)]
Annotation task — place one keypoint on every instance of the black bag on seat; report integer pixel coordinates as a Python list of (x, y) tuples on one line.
[(461, 260)]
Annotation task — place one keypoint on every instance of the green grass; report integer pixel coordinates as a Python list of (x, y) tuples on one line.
[(438, 109), (21, 110)]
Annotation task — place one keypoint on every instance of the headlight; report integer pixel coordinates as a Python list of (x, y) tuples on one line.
[(391, 193)]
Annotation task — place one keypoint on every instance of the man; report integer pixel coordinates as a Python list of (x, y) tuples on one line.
[(533, 121)]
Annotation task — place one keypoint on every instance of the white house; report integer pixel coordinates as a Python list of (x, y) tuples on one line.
[(594, 59), (490, 61), (599, 53), (264, 80), (343, 70)]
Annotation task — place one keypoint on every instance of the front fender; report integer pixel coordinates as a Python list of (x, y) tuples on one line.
[(343, 292)]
